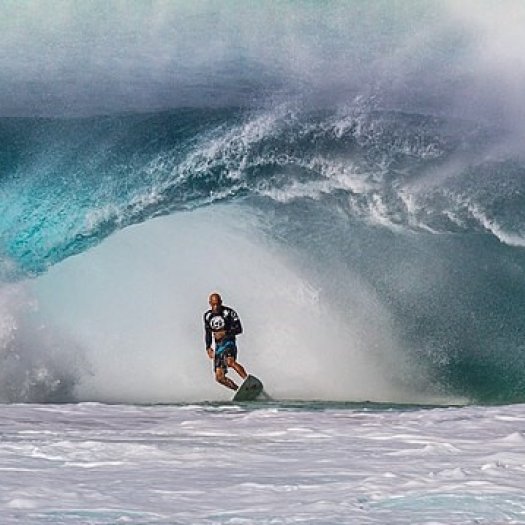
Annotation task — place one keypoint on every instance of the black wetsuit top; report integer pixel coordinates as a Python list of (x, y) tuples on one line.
[(225, 319)]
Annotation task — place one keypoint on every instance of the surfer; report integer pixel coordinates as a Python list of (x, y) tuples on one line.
[(222, 324)]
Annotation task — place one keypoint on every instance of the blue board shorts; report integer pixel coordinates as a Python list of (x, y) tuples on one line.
[(223, 350)]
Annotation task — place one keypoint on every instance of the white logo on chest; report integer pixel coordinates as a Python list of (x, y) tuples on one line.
[(216, 323)]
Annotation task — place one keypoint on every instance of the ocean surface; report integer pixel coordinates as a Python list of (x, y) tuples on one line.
[(349, 175), (319, 463)]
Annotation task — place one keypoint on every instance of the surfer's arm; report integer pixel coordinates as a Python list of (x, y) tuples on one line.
[(235, 325), (207, 335)]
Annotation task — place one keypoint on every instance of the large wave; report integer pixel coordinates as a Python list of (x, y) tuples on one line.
[(369, 231)]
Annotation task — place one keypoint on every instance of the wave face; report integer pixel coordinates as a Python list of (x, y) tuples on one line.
[(364, 204)]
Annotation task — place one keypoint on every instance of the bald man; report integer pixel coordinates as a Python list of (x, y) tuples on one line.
[(222, 325)]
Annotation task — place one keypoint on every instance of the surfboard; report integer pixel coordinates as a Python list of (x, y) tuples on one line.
[(249, 390)]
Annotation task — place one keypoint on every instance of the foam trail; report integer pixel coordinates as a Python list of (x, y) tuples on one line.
[(491, 226), (135, 304)]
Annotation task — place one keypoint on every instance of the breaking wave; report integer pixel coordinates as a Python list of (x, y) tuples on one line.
[(367, 221)]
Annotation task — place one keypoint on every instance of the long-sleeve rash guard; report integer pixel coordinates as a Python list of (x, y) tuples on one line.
[(225, 319)]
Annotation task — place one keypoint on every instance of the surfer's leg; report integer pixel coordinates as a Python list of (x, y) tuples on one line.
[(230, 361), (221, 378)]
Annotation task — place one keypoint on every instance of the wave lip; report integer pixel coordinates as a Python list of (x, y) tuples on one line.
[(80, 180)]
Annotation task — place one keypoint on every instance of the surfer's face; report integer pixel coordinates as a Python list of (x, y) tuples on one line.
[(215, 302)]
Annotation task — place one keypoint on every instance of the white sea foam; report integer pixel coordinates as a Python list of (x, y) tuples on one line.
[(37, 360), (102, 464), (490, 225)]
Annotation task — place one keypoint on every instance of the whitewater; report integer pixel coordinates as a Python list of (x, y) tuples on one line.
[(228, 464), (350, 177)]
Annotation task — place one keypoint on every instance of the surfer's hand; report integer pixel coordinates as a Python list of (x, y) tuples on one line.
[(210, 352), (219, 335)]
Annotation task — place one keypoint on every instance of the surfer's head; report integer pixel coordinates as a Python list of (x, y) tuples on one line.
[(215, 301)]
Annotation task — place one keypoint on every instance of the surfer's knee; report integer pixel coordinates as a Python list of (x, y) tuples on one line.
[(230, 361), (219, 375)]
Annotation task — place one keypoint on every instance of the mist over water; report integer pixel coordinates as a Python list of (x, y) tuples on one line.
[(350, 176), (453, 58)]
